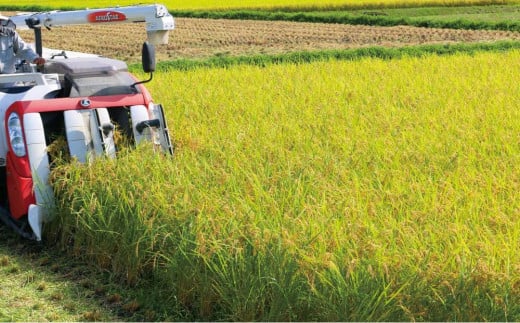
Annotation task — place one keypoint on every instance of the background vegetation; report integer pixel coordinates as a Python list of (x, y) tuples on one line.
[(256, 4), (497, 15), (475, 17)]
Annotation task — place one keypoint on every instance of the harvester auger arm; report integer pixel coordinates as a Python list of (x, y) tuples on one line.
[(156, 17)]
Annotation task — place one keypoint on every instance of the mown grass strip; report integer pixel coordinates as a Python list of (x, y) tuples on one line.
[(324, 55)]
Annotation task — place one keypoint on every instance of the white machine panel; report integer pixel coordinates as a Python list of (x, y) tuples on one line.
[(38, 158), (77, 124), (139, 113)]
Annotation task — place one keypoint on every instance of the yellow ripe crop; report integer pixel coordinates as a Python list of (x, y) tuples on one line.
[(317, 179), (229, 4), (395, 153)]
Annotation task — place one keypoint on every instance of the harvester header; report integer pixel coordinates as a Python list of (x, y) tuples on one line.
[(92, 104)]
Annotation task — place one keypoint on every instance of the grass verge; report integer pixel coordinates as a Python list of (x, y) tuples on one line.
[(325, 55)]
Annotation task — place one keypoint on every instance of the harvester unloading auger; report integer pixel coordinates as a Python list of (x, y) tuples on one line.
[(82, 98)]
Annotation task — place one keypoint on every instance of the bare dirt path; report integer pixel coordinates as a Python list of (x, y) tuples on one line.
[(200, 38)]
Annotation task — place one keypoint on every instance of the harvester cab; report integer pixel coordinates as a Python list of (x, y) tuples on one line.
[(81, 99)]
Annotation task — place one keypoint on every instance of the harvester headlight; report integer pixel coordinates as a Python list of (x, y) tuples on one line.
[(14, 126)]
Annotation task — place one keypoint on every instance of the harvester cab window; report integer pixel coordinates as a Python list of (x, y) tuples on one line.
[(93, 76), (15, 88), (99, 85)]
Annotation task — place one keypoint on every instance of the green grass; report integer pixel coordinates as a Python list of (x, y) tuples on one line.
[(484, 15), (332, 191), (326, 55), (35, 288), (487, 13)]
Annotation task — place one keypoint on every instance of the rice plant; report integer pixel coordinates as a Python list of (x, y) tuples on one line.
[(367, 190)]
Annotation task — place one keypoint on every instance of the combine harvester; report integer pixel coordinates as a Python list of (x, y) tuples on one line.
[(82, 98)]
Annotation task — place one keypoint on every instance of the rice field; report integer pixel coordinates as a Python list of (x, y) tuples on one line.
[(269, 4), (370, 190), (333, 191)]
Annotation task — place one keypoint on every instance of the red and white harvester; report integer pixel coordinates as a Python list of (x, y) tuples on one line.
[(82, 98)]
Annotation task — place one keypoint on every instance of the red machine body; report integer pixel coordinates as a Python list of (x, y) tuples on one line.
[(80, 98)]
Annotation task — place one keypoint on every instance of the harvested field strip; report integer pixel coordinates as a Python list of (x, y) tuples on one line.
[(204, 38)]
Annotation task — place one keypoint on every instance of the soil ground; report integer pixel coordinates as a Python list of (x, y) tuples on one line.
[(201, 38)]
